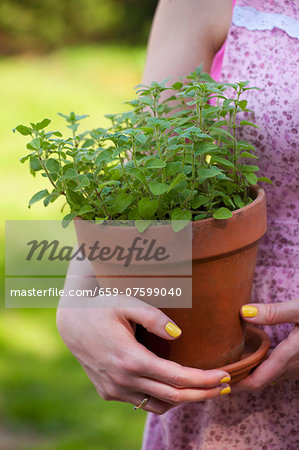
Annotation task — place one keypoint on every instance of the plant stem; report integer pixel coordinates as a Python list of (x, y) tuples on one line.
[(235, 156), (48, 175), (184, 157), (102, 203), (125, 175), (136, 166), (211, 194)]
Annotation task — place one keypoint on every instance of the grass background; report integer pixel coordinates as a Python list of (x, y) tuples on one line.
[(46, 400)]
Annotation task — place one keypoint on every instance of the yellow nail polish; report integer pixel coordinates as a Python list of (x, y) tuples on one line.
[(226, 390), (173, 330), (225, 379), (249, 311)]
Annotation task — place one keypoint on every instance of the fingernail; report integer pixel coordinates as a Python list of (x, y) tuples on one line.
[(249, 311), (225, 379), (173, 330), (226, 390)]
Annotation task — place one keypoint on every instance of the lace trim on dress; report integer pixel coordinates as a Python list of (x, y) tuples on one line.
[(252, 19)]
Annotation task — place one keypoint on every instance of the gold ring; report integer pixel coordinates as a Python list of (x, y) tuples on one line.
[(142, 404)]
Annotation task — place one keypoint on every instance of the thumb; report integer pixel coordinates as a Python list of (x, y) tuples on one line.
[(271, 313), (151, 318)]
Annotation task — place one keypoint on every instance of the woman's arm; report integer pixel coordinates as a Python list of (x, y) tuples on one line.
[(185, 34)]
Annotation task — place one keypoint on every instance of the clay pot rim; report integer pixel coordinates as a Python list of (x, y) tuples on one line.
[(255, 357), (260, 195)]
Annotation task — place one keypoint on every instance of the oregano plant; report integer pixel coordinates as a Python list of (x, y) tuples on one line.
[(174, 156)]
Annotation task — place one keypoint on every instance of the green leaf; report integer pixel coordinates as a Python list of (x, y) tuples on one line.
[(249, 168), (265, 180), (104, 155), (187, 170), (70, 173), (180, 218), (242, 84), (108, 183), (35, 144), (173, 167), (245, 122), (178, 179), (202, 148), (141, 139), (216, 132), (122, 201), (243, 145), (147, 129), (142, 225), (226, 199), (158, 188), (25, 131), (24, 158), (201, 216), (38, 196), (248, 155), (147, 207), (88, 143), (74, 199), (222, 161), (133, 214), (83, 181), (222, 213), (35, 164), (251, 178), (238, 201), (243, 104), (67, 219), (82, 116), (52, 165), (154, 163), (198, 201), (137, 173), (227, 102), (50, 198), (177, 85), (85, 209), (43, 124), (118, 151), (100, 220), (207, 172)]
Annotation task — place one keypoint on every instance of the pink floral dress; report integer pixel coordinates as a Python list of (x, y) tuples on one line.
[(262, 47)]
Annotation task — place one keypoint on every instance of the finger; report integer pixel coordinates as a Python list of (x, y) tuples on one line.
[(176, 396), (271, 313), (153, 405), (114, 387), (110, 391), (138, 360), (151, 318), (269, 371)]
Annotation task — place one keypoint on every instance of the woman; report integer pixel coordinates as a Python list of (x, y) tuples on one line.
[(258, 413)]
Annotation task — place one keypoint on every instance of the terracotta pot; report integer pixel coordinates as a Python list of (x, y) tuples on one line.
[(223, 262)]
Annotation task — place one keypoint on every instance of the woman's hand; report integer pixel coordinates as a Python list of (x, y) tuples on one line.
[(283, 362), (102, 338)]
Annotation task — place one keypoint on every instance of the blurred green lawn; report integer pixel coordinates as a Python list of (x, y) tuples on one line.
[(46, 400)]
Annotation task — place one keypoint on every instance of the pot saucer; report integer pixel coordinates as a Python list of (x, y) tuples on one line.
[(257, 344)]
